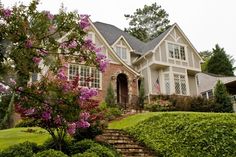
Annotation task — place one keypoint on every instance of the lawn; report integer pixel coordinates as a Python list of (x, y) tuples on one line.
[(183, 133), (13, 136), (131, 120)]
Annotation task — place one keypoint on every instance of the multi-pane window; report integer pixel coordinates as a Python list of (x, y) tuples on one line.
[(176, 51), (180, 84), (167, 83), (88, 76), (121, 52)]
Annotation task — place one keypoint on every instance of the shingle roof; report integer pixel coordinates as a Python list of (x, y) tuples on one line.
[(112, 33)]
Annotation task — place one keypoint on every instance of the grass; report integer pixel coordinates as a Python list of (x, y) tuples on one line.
[(183, 133), (13, 136), (131, 120)]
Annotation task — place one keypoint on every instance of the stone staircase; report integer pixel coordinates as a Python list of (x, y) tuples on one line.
[(124, 144)]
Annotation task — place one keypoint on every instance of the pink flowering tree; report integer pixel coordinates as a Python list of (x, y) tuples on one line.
[(40, 38)]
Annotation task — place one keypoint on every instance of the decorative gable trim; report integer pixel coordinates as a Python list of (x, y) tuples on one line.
[(111, 50), (119, 39)]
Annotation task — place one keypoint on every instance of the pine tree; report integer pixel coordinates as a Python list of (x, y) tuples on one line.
[(147, 23), (222, 99), (220, 63), (110, 96)]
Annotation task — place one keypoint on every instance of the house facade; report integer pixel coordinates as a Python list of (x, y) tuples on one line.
[(168, 64)]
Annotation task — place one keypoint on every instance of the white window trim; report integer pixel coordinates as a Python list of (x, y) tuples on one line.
[(186, 83), (175, 59), (100, 74), (93, 36)]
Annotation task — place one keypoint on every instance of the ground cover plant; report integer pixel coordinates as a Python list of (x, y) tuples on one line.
[(185, 133)]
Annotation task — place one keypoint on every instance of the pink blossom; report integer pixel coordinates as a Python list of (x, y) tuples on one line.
[(52, 29), (28, 43), (86, 93), (84, 21), (58, 120), (7, 12), (63, 45), (73, 44), (29, 112), (83, 124), (61, 74), (43, 52), (103, 65), (12, 81), (2, 89), (36, 59), (88, 44), (84, 115), (49, 15), (71, 128), (46, 115)]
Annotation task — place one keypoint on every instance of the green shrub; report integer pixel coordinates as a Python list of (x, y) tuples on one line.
[(27, 123), (82, 146), (223, 102), (110, 96), (159, 105), (50, 153), (26, 149), (112, 113), (66, 143), (189, 134), (86, 154), (102, 151)]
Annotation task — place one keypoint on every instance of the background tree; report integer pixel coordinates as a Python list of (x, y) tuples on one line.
[(220, 63), (147, 23), (206, 55), (110, 96), (222, 99)]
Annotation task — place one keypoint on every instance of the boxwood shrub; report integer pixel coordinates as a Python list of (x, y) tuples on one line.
[(189, 134), (50, 153)]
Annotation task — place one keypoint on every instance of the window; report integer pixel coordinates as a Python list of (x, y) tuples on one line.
[(176, 51), (90, 36), (180, 84), (88, 76), (121, 52), (167, 83)]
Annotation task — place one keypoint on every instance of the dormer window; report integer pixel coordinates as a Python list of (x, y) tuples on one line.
[(176, 51), (121, 52)]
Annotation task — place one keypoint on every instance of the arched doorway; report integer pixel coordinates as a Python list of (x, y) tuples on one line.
[(122, 90)]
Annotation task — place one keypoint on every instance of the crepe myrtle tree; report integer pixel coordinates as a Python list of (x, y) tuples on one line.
[(39, 37)]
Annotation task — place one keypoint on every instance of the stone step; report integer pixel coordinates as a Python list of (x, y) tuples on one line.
[(124, 144)]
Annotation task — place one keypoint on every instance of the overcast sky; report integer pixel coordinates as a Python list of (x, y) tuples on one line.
[(205, 22)]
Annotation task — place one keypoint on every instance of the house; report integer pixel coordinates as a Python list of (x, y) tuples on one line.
[(207, 82), (168, 64)]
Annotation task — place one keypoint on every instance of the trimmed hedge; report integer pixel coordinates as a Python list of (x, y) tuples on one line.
[(26, 149), (50, 153), (189, 134)]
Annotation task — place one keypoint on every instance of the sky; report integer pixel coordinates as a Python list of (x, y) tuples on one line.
[(204, 22)]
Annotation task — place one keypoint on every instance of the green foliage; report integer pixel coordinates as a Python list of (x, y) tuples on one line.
[(181, 103), (8, 121), (65, 144), (50, 153), (26, 149), (86, 154), (101, 151), (86, 148), (27, 123), (82, 146), (188, 134), (147, 23), (220, 63), (206, 55), (222, 99), (89, 133), (4, 102), (110, 96)]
